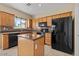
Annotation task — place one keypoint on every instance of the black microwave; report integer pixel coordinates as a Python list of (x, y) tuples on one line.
[(42, 24)]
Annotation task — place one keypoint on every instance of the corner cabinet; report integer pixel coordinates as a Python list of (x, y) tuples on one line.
[(6, 19)]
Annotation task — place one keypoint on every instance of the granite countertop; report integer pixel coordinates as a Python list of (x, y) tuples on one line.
[(30, 37), (18, 31)]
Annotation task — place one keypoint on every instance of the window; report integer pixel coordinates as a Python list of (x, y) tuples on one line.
[(19, 23)]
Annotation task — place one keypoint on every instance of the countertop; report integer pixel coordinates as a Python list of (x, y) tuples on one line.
[(30, 37), (18, 31)]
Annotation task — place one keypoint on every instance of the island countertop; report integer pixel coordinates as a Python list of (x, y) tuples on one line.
[(30, 36)]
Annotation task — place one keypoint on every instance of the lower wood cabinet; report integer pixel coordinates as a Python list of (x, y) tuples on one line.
[(0, 41), (5, 41), (28, 47), (39, 47), (48, 38)]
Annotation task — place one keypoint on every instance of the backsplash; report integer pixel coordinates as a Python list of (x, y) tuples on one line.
[(5, 28)]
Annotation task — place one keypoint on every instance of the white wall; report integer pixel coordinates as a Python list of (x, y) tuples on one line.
[(77, 29), (14, 11)]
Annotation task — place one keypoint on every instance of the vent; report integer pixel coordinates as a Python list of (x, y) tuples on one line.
[(28, 4)]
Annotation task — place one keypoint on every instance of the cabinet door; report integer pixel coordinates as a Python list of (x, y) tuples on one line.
[(48, 38), (0, 18), (30, 23), (34, 23), (40, 19), (6, 19), (49, 20), (5, 41), (10, 20), (3, 18), (37, 22), (39, 47), (44, 19), (0, 41), (25, 47)]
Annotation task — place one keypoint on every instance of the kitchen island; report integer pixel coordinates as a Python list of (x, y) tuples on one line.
[(30, 45)]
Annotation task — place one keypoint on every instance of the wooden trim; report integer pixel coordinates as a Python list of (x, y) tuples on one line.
[(6, 12), (62, 15), (59, 15), (47, 44)]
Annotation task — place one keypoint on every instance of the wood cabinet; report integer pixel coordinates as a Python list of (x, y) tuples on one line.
[(49, 20), (39, 47), (0, 41), (44, 19), (48, 38), (61, 15), (10, 20), (3, 18), (40, 19), (33, 23), (37, 22), (24, 49), (6, 19), (29, 23), (28, 47), (5, 41)]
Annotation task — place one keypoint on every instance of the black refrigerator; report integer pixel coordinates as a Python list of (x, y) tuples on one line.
[(62, 35)]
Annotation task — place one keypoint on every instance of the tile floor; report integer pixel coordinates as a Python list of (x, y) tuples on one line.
[(48, 52)]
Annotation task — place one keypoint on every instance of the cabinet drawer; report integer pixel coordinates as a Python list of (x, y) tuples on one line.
[(48, 35), (48, 41)]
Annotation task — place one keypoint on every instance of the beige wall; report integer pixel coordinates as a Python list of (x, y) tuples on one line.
[(14, 11)]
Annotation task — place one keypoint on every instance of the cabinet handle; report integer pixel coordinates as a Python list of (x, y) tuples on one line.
[(36, 46)]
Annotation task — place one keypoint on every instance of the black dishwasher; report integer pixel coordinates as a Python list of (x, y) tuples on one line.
[(13, 40)]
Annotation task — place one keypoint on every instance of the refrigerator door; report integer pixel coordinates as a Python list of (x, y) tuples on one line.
[(62, 35)]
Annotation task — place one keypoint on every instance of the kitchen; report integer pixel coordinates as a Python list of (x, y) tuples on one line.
[(14, 29)]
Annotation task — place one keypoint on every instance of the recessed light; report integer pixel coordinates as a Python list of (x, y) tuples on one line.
[(39, 5)]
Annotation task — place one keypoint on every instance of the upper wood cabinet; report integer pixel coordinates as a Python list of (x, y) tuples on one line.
[(40, 19), (3, 18), (6, 19), (33, 23), (61, 15), (49, 20), (29, 24), (44, 19)]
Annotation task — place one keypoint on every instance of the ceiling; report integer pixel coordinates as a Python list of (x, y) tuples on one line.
[(40, 9)]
